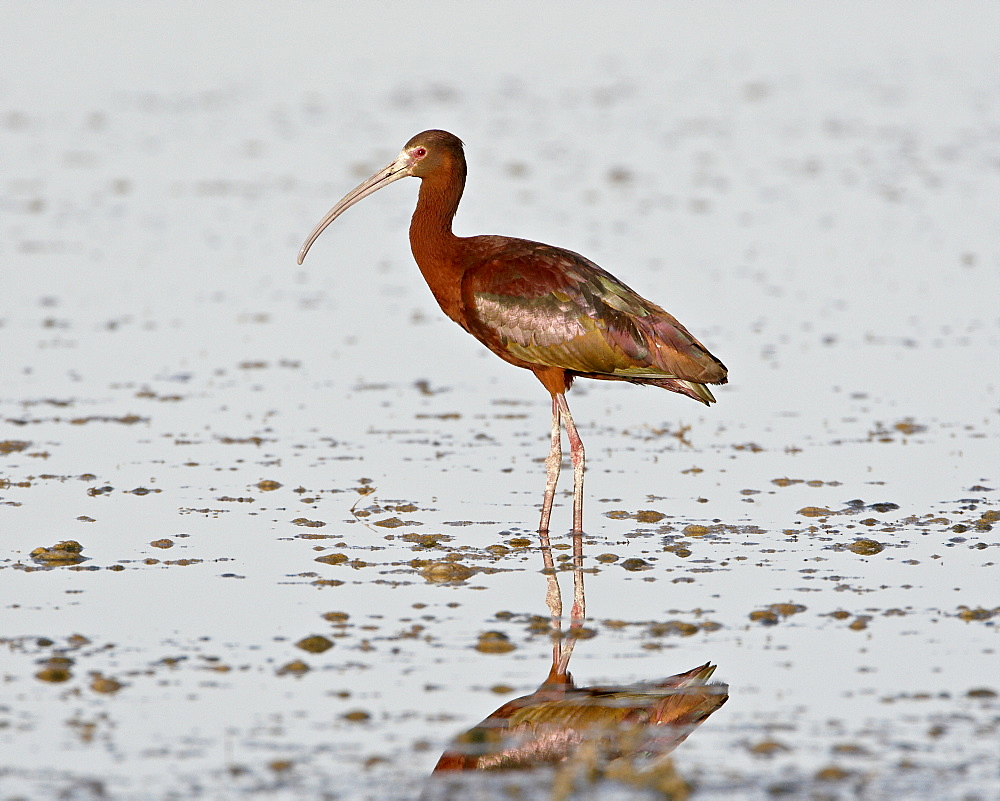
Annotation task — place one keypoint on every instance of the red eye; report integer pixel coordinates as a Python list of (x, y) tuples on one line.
[(419, 152)]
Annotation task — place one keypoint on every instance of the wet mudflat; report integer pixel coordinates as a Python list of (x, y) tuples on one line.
[(269, 531)]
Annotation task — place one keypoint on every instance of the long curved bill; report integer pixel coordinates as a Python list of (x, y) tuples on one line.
[(400, 168)]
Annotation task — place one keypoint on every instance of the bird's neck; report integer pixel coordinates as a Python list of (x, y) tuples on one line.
[(436, 249)]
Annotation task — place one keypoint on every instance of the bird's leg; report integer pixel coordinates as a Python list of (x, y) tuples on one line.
[(552, 464), (576, 451), (579, 611)]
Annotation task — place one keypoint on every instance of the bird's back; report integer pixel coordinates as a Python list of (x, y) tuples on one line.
[(537, 305)]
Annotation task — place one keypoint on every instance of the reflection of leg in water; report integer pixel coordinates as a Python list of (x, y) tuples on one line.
[(553, 599), (562, 646)]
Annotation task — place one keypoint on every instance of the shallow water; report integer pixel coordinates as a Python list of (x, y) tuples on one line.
[(816, 194)]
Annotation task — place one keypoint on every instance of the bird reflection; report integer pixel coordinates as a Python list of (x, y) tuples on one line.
[(610, 727)]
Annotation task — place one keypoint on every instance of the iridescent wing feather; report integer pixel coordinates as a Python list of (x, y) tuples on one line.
[(554, 308)]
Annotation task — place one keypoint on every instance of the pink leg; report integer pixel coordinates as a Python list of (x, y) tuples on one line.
[(576, 451), (579, 610), (553, 462)]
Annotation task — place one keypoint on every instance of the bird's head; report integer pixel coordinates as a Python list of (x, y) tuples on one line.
[(430, 151), (424, 154)]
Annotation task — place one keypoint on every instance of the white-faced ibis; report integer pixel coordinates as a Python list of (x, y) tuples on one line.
[(536, 306)]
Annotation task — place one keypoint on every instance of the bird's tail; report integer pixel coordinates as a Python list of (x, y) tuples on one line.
[(692, 389), (701, 392)]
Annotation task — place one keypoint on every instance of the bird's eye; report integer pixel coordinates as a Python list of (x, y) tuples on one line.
[(419, 152)]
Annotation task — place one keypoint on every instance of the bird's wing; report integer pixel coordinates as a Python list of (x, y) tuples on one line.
[(554, 308)]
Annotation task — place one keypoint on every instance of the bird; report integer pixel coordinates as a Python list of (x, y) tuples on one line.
[(539, 307)]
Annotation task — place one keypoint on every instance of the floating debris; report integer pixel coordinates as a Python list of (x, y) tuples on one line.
[(13, 446), (866, 547), (768, 748), (425, 540), (814, 511), (445, 572), (103, 684), (68, 552), (773, 614), (909, 427), (979, 613), (296, 668), (673, 627), (832, 773), (301, 521), (315, 644), (787, 610), (332, 559), (56, 670), (128, 419), (494, 642), (395, 522), (241, 440)]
